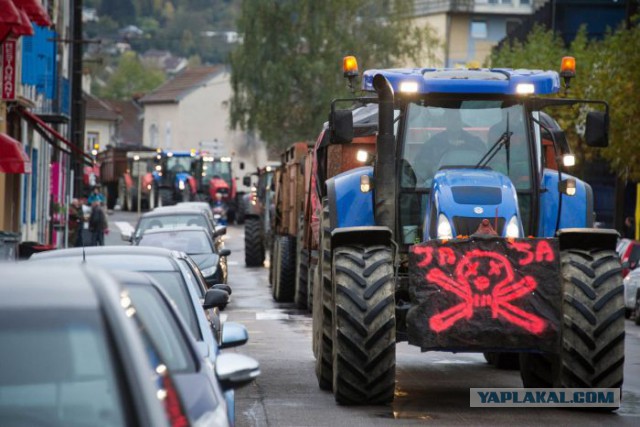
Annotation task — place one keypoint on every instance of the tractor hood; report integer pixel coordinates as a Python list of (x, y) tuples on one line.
[(467, 196)]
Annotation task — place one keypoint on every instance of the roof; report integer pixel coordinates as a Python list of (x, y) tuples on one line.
[(181, 85), (97, 109), (27, 285), (499, 81), (130, 126)]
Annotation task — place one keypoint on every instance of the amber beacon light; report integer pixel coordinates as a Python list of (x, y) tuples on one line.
[(568, 67), (350, 66)]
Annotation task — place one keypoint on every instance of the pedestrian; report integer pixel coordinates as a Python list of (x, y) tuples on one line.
[(96, 195), (97, 224), (629, 228), (76, 223)]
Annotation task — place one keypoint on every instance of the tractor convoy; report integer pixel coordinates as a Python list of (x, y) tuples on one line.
[(436, 209)]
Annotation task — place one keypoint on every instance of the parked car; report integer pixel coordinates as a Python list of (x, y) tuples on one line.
[(629, 252), (195, 242), (71, 354), (172, 217), (196, 381), (632, 295)]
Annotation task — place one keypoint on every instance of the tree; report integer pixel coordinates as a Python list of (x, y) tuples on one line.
[(287, 69), (131, 77)]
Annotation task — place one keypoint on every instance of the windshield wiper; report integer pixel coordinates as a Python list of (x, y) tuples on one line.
[(505, 139)]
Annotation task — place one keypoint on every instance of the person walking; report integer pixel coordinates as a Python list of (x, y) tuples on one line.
[(96, 195), (97, 224), (76, 223)]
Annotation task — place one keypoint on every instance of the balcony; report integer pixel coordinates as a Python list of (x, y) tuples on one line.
[(511, 7)]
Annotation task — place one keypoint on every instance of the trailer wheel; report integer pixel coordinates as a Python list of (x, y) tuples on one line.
[(592, 351), (302, 267), (284, 286), (322, 306), (253, 243), (364, 332)]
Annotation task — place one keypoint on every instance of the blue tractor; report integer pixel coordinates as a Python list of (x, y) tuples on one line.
[(174, 177), (462, 235)]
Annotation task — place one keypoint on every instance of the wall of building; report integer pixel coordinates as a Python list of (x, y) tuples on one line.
[(438, 22), (165, 118), (106, 130)]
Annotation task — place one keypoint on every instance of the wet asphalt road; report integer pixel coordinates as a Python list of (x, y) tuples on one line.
[(431, 389)]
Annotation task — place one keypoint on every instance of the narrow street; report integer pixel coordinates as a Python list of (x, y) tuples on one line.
[(431, 388)]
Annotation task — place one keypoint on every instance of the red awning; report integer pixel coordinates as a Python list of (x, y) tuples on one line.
[(35, 11), (40, 124), (13, 158), (9, 18)]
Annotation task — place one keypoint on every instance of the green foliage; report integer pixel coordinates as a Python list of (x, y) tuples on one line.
[(608, 70), (131, 77), (288, 67)]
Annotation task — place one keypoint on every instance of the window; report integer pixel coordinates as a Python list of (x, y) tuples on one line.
[(153, 135), (479, 29), (93, 141)]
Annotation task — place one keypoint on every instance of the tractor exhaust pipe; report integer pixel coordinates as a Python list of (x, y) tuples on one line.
[(385, 163)]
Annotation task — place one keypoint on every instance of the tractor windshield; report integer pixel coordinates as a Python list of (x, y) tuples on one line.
[(179, 164), (219, 169), (442, 134)]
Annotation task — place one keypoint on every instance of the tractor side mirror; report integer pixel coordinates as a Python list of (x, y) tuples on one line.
[(597, 129), (246, 181), (341, 126)]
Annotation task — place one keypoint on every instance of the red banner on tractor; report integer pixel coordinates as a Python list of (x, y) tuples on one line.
[(481, 294)]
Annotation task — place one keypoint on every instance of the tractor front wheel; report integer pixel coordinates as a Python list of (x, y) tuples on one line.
[(592, 350), (364, 328)]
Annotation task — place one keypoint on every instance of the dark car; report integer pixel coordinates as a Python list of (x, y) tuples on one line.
[(71, 354), (175, 216), (198, 386), (196, 243)]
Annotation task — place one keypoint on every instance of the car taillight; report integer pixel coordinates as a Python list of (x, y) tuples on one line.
[(172, 404)]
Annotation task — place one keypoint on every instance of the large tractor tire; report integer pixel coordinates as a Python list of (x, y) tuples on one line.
[(302, 267), (241, 210), (253, 243), (273, 252), (364, 332), (501, 360), (323, 306), (313, 267), (285, 284), (637, 309), (592, 351)]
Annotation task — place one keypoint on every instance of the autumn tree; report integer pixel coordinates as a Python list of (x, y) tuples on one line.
[(288, 67), (131, 77)]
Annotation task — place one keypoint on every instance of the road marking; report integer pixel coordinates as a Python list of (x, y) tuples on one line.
[(232, 262), (456, 362), (124, 227), (272, 315)]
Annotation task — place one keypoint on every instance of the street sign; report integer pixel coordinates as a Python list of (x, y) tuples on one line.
[(138, 169)]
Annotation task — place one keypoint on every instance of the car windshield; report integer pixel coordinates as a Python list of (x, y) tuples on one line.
[(191, 242), (171, 221), (217, 169), (162, 329), (455, 133), (174, 285), (57, 369)]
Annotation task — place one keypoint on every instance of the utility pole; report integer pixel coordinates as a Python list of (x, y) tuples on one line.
[(77, 103)]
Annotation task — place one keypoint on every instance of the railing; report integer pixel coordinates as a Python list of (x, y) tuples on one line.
[(426, 7)]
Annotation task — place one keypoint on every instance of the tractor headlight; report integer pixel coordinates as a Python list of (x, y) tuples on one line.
[(181, 185), (207, 272), (444, 228), (513, 228)]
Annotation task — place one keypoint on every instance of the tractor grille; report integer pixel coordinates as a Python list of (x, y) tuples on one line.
[(467, 225)]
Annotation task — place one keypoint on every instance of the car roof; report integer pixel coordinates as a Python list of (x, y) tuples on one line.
[(106, 250), (175, 230), (131, 277), (27, 285), (173, 211)]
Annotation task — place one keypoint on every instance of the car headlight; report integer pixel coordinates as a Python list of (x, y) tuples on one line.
[(444, 228), (513, 228), (206, 272), (181, 185)]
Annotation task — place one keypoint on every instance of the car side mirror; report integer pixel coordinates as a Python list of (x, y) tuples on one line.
[(341, 126), (220, 230), (246, 181), (222, 287), (224, 252), (233, 335), (215, 298), (236, 370), (597, 129)]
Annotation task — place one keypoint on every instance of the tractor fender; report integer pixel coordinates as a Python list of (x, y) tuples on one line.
[(588, 238), (368, 235), (348, 206)]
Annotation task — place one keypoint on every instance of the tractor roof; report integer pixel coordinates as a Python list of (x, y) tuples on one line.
[(498, 81)]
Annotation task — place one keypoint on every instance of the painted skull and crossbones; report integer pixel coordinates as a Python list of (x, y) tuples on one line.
[(472, 282)]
